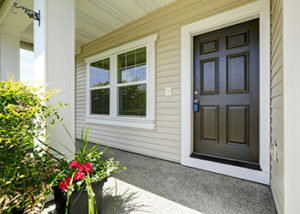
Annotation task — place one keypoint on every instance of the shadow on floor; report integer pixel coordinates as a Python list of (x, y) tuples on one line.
[(123, 203)]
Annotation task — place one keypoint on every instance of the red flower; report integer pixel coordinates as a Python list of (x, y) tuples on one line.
[(74, 164), (65, 184), (81, 167), (79, 175), (88, 167), (68, 180)]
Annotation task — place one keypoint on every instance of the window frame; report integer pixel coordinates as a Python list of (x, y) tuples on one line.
[(114, 118)]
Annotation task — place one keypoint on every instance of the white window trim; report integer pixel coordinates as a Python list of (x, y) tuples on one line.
[(258, 9), (113, 118)]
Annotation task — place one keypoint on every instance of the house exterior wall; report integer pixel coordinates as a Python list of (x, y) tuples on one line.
[(277, 134), (164, 141)]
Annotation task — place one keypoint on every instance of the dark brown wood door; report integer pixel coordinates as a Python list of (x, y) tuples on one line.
[(226, 85)]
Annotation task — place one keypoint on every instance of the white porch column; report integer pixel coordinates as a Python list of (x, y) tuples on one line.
[(291, 58), (9, 56), (54, 50)]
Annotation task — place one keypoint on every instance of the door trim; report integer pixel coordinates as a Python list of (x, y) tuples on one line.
[(259, 9)]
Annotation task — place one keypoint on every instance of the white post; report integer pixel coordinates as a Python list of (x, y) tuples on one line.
[(54, 51), (291, 58), (9, 56)]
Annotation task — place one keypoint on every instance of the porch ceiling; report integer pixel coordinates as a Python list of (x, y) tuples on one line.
[(95, 18)]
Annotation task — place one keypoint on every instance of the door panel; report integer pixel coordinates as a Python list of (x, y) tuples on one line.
[(226, 84), (237, 73), (209, 46), (209, 123), (209, 76), (238, 124), (237, 40)]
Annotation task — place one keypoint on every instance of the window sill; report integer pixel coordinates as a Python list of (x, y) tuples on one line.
[(142, 123)]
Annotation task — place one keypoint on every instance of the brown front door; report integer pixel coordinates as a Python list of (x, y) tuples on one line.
[(226, 91)]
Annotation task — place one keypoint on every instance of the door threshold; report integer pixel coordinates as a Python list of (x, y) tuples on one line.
[(244, 164)]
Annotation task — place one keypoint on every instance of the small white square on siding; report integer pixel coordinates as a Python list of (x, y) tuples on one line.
[(168, 91)]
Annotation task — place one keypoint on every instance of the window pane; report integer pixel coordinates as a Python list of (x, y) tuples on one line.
[(132, 100), (99, 73), (130, 58), (132, 66), (141, 55), (100, 101), (141, 72)]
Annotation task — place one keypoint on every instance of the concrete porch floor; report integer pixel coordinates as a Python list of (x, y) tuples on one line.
[(152, 185)]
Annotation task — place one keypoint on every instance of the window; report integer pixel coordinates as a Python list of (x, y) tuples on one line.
[(121, 85)]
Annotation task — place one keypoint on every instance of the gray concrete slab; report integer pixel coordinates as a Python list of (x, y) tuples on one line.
[(152, 185), (196, 189)]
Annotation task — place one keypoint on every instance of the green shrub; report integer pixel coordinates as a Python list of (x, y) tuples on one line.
[(25, 173)]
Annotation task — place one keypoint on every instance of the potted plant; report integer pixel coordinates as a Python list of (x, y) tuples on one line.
[(78, 188)]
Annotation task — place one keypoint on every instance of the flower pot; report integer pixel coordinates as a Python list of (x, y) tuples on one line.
[(17, 211), (78, 201)]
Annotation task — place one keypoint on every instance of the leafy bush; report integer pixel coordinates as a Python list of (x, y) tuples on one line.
[(26, 174)]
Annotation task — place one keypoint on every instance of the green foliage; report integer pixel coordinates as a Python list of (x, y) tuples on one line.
[(26, 174)]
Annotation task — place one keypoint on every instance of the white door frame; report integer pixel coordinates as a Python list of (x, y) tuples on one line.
[(259, 9)]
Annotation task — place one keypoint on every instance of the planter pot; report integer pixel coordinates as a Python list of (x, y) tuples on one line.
[(78, 201), (15, 211)]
